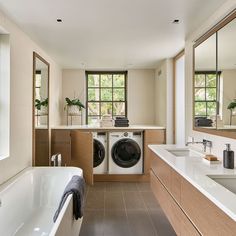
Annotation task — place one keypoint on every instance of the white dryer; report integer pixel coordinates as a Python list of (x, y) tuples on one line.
[(100, 153), (126, 152)]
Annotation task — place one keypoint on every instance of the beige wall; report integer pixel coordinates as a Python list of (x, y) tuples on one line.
[(164, 97), (21, 63), (140, 93), (218, 142)]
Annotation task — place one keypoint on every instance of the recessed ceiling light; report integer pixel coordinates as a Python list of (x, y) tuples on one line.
[(59, 20), (176, 21)]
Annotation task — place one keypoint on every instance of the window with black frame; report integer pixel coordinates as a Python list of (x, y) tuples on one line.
[(205, 94), (106, 95)]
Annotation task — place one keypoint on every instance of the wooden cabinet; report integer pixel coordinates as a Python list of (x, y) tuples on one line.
[(157, 136), (208, 218), (162, 170), (174, 213), (175, 187), (41, 147), (61, 143), (188, 210), (82, 153)]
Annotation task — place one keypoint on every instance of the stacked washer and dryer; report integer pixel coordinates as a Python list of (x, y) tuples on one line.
[(118, 152)]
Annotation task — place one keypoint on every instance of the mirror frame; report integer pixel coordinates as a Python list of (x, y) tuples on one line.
[(37, 56), (227, 19)]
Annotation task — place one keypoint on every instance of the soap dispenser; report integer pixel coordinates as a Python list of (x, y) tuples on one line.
[(228, 157)]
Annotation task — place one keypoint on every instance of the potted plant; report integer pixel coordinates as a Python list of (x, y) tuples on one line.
[(231, 107), (42, 106), (74, 106)]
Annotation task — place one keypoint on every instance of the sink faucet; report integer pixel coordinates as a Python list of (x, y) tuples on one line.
[(206, 143), (56, 159)]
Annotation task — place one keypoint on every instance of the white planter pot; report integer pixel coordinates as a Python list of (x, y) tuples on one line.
[(73, 110)]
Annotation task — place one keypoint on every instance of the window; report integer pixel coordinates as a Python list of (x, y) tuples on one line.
[(205, 92), (106, 94)]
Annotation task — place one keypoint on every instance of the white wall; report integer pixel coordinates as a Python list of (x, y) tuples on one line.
[(218, 142), (140, 93), (21, 71), (164, 97)]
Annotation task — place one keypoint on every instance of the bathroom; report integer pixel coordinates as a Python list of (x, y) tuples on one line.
[(154, 47)]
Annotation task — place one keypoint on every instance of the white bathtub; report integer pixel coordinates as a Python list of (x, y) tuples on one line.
[(30, 199)]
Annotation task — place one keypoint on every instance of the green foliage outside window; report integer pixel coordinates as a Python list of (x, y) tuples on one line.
[(106, 94), (205, 94)]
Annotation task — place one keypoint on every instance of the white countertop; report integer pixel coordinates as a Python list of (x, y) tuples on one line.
[(96, 127), (195, 171)]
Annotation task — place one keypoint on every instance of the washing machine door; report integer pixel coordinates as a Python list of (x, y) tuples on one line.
[(126, 153), (98, 153)]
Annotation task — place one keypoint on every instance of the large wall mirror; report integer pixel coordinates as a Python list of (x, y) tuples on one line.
[(214, 80), (41, 146)]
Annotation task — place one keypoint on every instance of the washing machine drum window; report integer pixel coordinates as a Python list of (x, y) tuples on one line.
[(98, 153), (126, 153)]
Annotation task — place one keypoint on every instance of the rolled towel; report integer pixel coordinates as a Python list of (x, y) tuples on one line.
[(76, 187)]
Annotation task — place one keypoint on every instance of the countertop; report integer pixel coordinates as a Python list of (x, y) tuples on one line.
[(96, 127), (195, 171)]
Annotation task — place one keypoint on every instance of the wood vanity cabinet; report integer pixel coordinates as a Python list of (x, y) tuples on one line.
[(188, 210)]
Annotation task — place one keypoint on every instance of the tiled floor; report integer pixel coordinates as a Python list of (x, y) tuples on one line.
[(126, 209)]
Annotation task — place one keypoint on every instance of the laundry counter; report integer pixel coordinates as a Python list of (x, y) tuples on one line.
[(76, 144)]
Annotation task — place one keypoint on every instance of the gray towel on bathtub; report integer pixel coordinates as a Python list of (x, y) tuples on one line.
[(76, 187)]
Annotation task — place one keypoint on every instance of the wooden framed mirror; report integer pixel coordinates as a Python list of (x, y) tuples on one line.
[(40, 111), (214, 80)]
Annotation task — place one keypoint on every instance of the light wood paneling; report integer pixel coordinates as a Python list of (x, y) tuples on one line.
[(207, 217), (175, 185), (41, 147), (82, 153), (162, 170), (174, 213), (61, 143), (152, 137)]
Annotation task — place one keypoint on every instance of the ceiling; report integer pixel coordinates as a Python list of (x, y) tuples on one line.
[(109, 34)]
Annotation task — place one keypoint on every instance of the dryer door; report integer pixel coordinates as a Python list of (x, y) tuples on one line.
[(98, 153), (126, 153)]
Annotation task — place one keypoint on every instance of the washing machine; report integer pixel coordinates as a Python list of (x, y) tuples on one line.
[(126, 152), (100, 153)]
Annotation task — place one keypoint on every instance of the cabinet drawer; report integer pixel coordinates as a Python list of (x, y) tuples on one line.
[(175, 185), (207, 217), (162, 170), (177, 218)]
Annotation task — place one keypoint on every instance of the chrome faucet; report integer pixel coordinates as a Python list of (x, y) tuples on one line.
[(206, 143), (56, 159)]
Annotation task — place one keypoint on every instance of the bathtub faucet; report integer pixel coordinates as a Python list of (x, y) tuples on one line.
[(56, 159)]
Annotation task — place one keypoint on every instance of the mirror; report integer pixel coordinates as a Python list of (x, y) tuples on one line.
[(214, 80), (227, 67), (205, 84), (41, 150)]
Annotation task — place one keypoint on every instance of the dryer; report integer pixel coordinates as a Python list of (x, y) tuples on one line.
[(100, 153), (126, 152)]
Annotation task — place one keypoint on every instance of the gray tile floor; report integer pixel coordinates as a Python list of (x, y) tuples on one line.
[(126, 209)]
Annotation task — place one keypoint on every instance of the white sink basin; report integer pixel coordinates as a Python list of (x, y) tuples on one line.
[(184, 152), (228, 181)]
